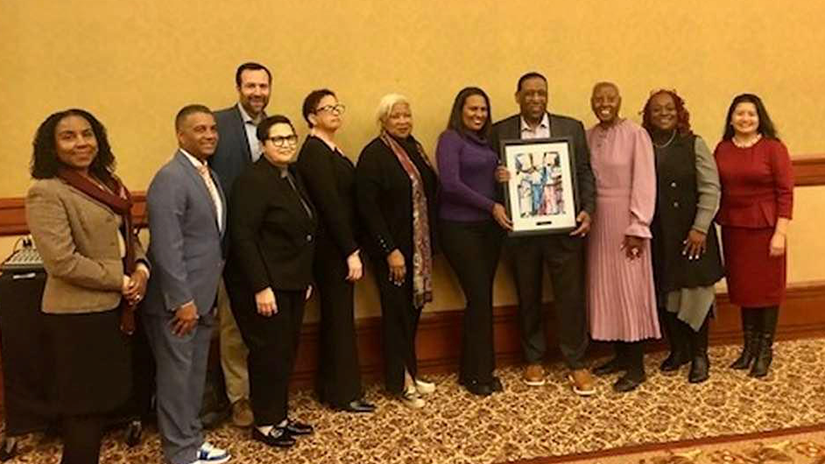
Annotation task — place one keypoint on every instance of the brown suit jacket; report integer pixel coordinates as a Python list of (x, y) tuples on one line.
[(77, 237)]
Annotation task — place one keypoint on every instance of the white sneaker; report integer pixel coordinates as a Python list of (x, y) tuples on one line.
[(210, 454), (424, 387), (411, 398)]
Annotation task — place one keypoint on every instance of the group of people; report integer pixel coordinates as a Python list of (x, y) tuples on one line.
[(242, 233)]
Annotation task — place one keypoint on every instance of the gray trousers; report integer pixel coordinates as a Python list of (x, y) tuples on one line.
[(181, 376)]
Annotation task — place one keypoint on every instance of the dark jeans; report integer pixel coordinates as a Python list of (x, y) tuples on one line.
[(473, 250), (564, 257)]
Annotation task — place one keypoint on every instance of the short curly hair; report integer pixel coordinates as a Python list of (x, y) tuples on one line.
[(682, 114), (45, 163)]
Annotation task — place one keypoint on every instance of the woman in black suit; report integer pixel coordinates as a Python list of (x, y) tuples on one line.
[(273, 240), (396, 187), (330, 180)]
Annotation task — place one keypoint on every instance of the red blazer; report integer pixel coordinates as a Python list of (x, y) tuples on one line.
[(757, 184)]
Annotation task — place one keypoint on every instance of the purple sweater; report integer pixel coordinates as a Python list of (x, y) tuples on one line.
[(466, 170)]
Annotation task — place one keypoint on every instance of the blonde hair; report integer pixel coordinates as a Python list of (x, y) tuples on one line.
[(385, 106)]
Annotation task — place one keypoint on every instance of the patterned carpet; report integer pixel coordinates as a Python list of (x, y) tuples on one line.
[(528, 422), (785, 446)]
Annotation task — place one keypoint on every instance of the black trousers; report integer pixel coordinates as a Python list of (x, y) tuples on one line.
[(564, 257), (473, 250), (399, 323), (339, 374), (273, 346)]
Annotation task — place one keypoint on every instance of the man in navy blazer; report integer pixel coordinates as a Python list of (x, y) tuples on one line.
[(187, 220), (238, 147), (563, 254)]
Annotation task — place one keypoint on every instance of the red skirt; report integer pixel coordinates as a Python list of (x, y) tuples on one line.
[(755, 279)]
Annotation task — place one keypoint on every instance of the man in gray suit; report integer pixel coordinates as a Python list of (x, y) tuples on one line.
[(187, 219), (563, 254), (237, 149)]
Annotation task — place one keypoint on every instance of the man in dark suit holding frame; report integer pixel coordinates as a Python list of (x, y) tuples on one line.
[(563, 254)]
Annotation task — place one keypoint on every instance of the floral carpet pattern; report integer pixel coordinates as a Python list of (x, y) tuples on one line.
[(524, 423), (791, 447)]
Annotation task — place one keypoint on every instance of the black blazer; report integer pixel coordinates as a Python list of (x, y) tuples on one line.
[(384, 194), (273, 237), (330, 181), (560, 126)]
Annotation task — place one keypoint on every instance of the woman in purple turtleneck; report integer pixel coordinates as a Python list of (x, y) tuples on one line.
[(472, 226)]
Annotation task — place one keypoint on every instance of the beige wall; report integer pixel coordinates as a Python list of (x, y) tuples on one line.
[(134, 64)]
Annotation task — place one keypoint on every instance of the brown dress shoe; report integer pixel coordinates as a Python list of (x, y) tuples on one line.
[(242, 413), (534, 375), (582, 382)]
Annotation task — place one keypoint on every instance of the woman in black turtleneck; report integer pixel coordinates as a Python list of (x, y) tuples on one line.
[(396, 192)]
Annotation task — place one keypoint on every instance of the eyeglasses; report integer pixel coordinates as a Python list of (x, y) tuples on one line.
[(338, 109), (283, 142)]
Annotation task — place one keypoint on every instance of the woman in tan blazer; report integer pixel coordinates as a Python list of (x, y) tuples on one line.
[(78, 212)]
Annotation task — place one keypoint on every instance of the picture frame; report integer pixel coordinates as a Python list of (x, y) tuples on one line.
[(542, 193)]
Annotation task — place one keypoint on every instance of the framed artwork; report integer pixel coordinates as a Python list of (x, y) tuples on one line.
[(541, 194)]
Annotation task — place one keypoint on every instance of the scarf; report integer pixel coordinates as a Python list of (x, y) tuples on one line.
[(122, 205), (422, 253)]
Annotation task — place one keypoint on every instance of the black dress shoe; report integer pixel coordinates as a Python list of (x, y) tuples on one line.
[(298, 428), (359, 406), (479, 389), (278, 437), (674, 361), (628, 382), (610, 367)]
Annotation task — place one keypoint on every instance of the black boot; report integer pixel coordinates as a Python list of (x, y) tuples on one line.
[(678, 343), (635, 374), (764, 354), (699, 364), (617, 364), (749, 323)]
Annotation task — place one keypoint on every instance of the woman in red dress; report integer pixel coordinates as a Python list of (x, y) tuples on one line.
[(756, 206)]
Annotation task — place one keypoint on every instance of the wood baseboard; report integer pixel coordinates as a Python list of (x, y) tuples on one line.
[(439, 332)]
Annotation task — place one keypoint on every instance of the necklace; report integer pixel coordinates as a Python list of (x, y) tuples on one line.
[(747, 143), (672, 136)]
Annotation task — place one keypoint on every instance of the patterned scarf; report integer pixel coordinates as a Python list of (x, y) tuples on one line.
[(122, 205), (422, 253)]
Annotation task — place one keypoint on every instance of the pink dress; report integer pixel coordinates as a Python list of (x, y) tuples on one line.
[(620, 293)]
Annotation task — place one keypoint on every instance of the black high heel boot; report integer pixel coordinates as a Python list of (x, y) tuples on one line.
[(679, 345), (749, 332), (764, 355), (617, 364), (635, 374), (700, 364)]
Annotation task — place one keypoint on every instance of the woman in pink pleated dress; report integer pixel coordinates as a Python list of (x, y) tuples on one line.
[(620, 293)]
